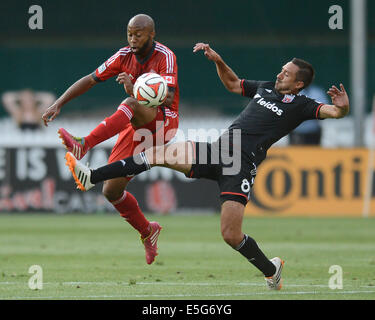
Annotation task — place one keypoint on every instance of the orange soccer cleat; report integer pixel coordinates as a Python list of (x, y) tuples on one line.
[(80, 172)]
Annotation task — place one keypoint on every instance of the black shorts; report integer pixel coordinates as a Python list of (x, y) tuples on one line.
[(235, 180)]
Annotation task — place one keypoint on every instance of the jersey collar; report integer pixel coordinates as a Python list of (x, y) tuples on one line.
[(285, 98)]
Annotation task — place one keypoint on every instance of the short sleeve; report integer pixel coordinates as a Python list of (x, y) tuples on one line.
[(311, 109), (111, 67), (168, 68), (250, 87)]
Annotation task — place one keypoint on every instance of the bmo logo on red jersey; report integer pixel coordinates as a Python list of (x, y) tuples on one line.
[(268, 105)]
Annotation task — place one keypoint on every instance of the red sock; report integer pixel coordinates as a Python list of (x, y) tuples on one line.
[(110, 126), (129, 209)]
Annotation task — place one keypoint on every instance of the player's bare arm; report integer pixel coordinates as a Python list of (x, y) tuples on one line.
[(227, 76), (78, 88), (340, 104)]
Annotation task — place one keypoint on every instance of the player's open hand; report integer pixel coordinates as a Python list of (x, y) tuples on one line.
[(208, 52), (51, 113), (124, 78), (339, 97)]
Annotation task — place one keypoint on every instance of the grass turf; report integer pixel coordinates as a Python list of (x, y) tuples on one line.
[(101, 257)]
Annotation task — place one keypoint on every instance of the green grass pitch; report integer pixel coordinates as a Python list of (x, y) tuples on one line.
[(101, 257)]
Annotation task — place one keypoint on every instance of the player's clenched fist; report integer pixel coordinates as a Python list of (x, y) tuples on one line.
[(208, 52)]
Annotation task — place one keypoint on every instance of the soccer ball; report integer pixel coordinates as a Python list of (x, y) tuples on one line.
[(150, 90)]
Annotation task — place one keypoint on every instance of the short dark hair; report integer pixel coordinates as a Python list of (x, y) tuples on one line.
[(306, 72)]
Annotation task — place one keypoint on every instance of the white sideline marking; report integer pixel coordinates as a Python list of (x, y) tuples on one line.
[(191, 295), (161, 283), (114, 283)]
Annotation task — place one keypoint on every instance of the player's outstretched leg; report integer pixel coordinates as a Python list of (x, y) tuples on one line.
[(275, 281), (108, 128), (86, 178)]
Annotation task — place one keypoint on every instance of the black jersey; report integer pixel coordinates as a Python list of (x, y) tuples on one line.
[(270, 115)]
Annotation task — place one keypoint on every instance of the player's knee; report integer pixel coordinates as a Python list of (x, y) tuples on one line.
[(227, 236), (231, 237), (131, 102), (111, 193), (231, 222)]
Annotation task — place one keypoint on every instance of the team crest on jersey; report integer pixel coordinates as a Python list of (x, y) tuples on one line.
[(102, 68), (288, 98)]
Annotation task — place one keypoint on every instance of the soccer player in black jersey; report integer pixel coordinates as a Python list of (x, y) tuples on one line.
[(274, 110)]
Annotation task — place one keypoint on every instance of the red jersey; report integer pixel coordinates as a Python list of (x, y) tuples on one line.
[(160, 60)]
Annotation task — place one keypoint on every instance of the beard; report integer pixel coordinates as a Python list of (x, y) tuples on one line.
[(278, 86), (281, 86), (142, 51)]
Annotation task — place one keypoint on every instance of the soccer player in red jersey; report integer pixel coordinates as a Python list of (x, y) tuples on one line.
[(142, 55)]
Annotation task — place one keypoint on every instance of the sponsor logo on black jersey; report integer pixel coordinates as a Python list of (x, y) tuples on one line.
[(270, 106)]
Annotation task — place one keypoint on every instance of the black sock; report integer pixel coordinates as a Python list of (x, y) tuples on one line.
[(250, 250), (127, 167)]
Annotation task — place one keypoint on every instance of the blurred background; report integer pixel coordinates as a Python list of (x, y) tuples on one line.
[(254, 37)]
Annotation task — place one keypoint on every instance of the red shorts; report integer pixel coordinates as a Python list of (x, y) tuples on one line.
[(135, 140)]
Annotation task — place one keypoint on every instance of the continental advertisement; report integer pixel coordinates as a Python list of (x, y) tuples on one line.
[(311, 181), (291, 181)]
